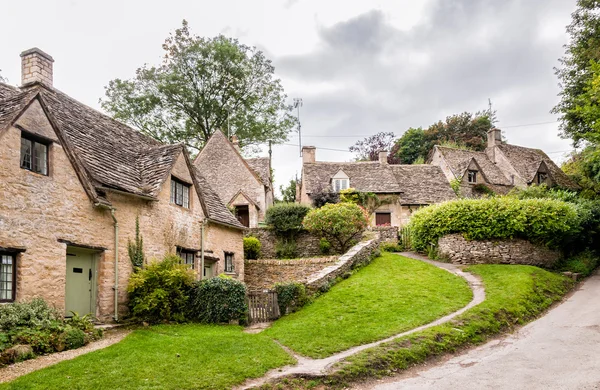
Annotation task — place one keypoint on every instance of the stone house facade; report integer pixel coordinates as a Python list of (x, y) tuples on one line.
[(500, 167), (243, 184), (402, 188), (72, 184)]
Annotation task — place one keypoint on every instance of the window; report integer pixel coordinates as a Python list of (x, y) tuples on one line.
[(383, 219), (229, 262), (180, 193), (340, 184), (243, 215), (541, 177), (188, 257), (34, 155), (8, 277), (472, 176)]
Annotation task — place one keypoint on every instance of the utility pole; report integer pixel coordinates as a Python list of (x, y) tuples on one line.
[(297, 105)]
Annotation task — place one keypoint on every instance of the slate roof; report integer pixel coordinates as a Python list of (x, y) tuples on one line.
[(262, 167), (459, 161), (526, 161), (109, 154), (416, 184)]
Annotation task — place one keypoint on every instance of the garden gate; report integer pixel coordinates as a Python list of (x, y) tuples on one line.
[(262, 306)]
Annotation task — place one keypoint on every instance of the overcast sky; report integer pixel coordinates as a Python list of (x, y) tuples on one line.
[(361, 67)]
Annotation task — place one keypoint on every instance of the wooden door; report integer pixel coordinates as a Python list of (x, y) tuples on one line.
[(79, 289), (243, 215), (383, 219)]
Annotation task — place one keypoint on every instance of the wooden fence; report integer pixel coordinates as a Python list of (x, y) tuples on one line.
[(404, 237), (262, 306)]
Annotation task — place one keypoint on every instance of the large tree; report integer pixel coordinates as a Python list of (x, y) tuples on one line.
[(288, 192), (412, 146), (466, 129), (204, 84), (576, 70), (368, 149)]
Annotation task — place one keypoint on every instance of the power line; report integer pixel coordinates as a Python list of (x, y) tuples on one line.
[(335, 150), (528, 124)]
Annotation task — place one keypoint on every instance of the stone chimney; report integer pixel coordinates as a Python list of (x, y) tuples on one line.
[(309, 154), (494, 137), (235, 142), (383, 157), (36, 66)]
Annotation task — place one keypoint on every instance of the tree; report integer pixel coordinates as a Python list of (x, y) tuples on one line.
[(288, 193), (466, 129), (202, 85), (412, 145), (577, 69), (369, 148), (342, 223), (322, 196), (584, 168), (135, 248)]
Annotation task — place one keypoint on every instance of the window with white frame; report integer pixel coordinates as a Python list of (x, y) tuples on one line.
[(8, 277), (180, 193), (340, 184), (188, 257), (472, 176)]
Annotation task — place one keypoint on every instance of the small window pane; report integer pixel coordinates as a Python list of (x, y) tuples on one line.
[(228, 262), (25, 153), (172, 191), (7, 267), (40, 157), (180, 193), (186, 197)]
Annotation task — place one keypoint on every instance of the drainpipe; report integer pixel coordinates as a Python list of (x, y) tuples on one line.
[(202, 227), (116, 287)]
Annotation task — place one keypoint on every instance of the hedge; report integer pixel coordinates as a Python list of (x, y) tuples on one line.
[(547, 222), (217, 300)]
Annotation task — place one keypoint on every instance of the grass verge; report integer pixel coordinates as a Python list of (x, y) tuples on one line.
[(165, 357), (514, 295), (389, 296)]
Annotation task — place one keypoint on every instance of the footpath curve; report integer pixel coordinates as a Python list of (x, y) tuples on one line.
[(318, 367)]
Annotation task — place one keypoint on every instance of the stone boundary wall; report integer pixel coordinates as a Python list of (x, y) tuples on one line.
[(387, 233), (359, 254), (263, 274), (307, 244), (459, 250)]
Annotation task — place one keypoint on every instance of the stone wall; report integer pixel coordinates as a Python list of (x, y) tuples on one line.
[(306, 243), (263, 274), (387, 233), (458, 250)]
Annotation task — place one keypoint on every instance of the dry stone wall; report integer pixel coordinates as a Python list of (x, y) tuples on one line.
[(387, 233), (263, 274), (458, 250), (307, 244)]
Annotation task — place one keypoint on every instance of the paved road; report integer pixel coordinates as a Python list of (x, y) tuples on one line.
[(559, 351)]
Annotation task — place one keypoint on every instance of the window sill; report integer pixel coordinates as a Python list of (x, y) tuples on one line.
[(29, 171), (229, 273)]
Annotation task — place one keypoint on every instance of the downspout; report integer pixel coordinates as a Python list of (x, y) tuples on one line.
[(116, 287), (202, 227)]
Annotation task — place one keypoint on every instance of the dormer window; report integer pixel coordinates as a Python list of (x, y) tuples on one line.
[(340, 184), (472, 176), (34, 155), (541, 177), (180, 193)]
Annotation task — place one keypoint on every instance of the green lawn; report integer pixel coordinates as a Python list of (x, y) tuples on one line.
[(391, 295), (210, 357)]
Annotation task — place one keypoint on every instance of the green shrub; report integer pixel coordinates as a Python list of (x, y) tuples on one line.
[(584, 263), (482, 189), (391, 247), (217, 300), (41, 340), (291, 296), (252, 247), (35, 313), (135, 249), (286, 218), (341, 223), (159, 292), (81, 322), (286, 249), (73, 337), (324, 246), (542, 221)]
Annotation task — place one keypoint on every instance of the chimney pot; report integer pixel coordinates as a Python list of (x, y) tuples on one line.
[(36, 66), (494, 137), (309, 154), (383, 157)]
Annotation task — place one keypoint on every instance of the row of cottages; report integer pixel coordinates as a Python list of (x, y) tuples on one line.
[(72, 184), (500, 167), (401, 188), (244, 185)]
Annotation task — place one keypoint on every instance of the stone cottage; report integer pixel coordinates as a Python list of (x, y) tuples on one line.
[(499, 168), (243, 184), (402, 188), (72, 184)]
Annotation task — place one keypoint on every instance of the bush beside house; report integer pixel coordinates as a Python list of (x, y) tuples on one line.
[(32, 328), (341, 223)]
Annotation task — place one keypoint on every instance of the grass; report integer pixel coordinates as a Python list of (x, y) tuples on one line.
[(391, 295), (514, 295), (165, 357)]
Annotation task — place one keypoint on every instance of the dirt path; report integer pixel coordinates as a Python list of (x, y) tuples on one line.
[(558, 351), (320, 366), (16, 370)]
